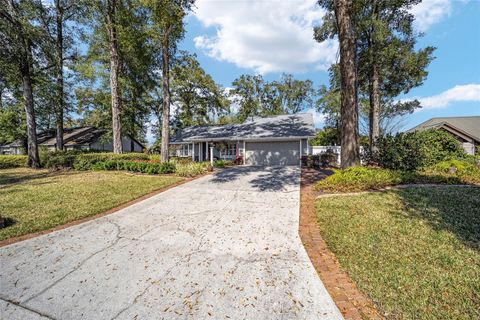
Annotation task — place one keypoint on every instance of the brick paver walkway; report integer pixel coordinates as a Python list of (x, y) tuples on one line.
[(352, 303)]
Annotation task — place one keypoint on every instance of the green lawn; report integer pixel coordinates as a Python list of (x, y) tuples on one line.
[(35, 200), (415, 252)]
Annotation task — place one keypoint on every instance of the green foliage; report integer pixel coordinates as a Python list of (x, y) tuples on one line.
[(198, 98), (12, 123), (466, 169), (222, 163), (386, 42), (257, 97), (12, 161), (135, 166), (85, 161), (455, 171), (59, 159), (410, 151), (326, 137), (191, 169), (359, 179)]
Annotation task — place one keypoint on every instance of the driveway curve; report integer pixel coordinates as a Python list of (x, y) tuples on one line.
[(224, 246)]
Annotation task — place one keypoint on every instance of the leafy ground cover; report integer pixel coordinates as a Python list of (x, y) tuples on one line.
[(36, 200), (372, 178), (415, 252)]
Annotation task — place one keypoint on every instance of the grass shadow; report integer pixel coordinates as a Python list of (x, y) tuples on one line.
[(452, 208), (10, 178)]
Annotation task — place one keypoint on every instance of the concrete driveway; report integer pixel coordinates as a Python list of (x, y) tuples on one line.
[(224, 246)]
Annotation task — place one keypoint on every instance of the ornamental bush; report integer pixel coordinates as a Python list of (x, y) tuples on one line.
[(12, 161), (222, 163), (85, 161), (135, 166), (411, 151), (359, 178), (59, 159), (191, 169)]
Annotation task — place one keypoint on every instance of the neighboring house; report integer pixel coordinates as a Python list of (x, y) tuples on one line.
[(465, 129), (79, 138), (277, 140)]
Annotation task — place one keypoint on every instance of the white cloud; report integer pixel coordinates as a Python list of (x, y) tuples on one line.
[(318, 118), (429, 12), (468, 92), (266, 36)]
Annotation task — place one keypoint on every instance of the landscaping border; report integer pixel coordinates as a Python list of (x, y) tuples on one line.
[(351, 302), (12, 240)]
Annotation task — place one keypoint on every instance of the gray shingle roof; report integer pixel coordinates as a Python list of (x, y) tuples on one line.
[(468, 125), (282, 126)]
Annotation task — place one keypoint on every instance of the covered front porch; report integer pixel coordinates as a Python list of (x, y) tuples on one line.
[(208, 150)]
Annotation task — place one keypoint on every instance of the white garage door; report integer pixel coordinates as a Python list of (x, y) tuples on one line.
[(272, 153)]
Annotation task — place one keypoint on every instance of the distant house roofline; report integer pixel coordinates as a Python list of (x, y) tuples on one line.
[(468, 126), (287, 126)]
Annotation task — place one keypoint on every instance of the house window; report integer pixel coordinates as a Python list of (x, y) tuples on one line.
[(230, 150), (184, 150)]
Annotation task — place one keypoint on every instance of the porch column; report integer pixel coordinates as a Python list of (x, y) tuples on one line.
[(244, 152), (211, 156), (193, 151), (300, 152)]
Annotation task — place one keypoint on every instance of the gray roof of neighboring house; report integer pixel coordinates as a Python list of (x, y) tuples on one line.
[(71, 137), (467, 125), (282, 126)]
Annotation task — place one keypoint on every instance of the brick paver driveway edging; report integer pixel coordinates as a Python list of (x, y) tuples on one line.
[(223, 246)]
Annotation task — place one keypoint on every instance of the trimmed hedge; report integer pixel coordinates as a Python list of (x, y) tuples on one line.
[(13, 161), (59, 159), (85, 161), (133, 166)]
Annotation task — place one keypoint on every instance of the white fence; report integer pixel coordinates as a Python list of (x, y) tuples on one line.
[(331, 149), (327, 149)]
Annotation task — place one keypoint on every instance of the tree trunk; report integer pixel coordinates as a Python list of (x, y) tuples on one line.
[(374, 112), (60, 95), (25, 70), (166, 98), (25, 64), (350, 154), (114, 71)]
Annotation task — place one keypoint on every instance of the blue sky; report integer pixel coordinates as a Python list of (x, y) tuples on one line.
[(268, 37)]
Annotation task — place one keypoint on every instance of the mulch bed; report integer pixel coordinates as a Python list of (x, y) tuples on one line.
[(352, 303)]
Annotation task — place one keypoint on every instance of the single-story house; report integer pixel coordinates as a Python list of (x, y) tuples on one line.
[(79, 138), (277, 140), (465, 129)]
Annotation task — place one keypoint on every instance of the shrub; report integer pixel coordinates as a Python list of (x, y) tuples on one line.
[(13, 161), (181, 160), (59, 159), (191, 169), (85, 161), (359, 179), (222, 163), (410, 151), (133, 166), (465, 170)]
